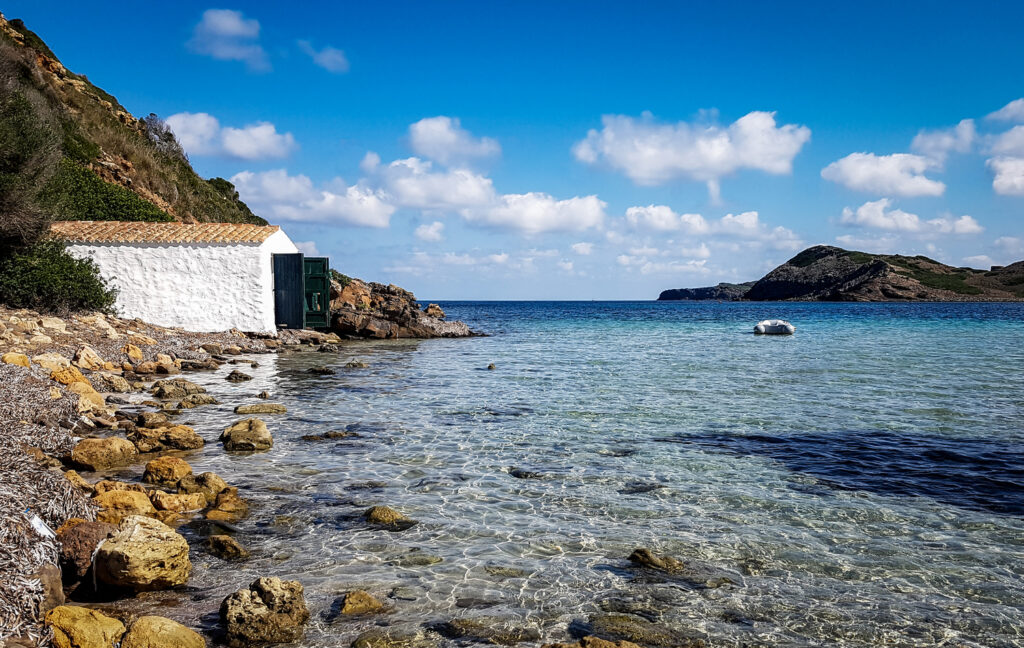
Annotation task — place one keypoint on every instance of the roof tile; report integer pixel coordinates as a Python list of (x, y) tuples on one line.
[(174, 233)]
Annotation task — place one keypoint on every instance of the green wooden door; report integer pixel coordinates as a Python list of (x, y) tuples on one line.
[(318, 292)]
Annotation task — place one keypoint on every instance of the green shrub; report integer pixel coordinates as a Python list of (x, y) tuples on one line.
[(46, 278), (344, 280), (77, 193)]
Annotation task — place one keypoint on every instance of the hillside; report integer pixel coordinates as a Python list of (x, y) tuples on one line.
[(70, 151), (721, 292), (826, 273)]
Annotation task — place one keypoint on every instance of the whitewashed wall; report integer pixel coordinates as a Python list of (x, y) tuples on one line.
[(199, 287)]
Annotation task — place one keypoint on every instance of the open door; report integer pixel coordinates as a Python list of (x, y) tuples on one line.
[(317, 292)]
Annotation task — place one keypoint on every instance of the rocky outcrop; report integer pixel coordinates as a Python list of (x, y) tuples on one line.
[(144, 554), (158, 632), (270, 610), (721, 292), (250, 435), (78, 627), (373, 310)]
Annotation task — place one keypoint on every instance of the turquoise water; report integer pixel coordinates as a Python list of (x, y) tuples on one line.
[(860, 483)]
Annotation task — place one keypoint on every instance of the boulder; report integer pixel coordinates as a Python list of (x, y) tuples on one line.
[(433, 310), (388, 518), (68, 375), (176, 437), (49, 576), (77, 545), (208, 484), (40, 339), (101, 454), (79, 482), (158, 632), (487, 630), (149, 367), (261, 408), (144, 554), (152, 419), (176, 388), (166, 471), (249, 435), (19, 359), (133, 352), (78, 627), (54, 323), (237, 376), (268, 611), (88, 359), (228, 506), (89, 400), (226, 547), (111, 383), (119, 504), (51, 361), (107, 485), (359, 602), (177, 502), (195, 400)]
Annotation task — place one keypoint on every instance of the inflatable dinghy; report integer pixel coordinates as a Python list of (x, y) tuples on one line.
[(774, 327)]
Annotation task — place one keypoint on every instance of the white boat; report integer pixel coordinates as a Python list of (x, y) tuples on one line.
[(774, 327)]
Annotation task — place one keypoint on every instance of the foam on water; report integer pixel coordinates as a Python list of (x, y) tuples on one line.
[(860, 483)]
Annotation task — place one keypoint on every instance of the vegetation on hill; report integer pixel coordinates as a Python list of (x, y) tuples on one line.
[(70, 151)]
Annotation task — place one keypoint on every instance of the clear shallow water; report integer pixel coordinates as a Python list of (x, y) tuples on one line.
[(861, 481)]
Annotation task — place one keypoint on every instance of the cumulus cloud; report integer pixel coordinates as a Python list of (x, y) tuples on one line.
[(308, 248), (1009, 175), (202, 134), (661, 218), (226, 35), (1010, 143), (329, 58), (877, 214), (535, 212), (413, 182), (938, 144), (652, 153), (900, 174), (582, 249), (565, 265), (1013, 111), (979, 261), (294, 198), (443, 139), (431, 232)]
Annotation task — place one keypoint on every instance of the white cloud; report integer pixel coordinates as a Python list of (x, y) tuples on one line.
[(202, 134), (700, 252), (1010, 143), (878, 215), (982, 261), (329, 58), (443, 139), (938, 144), (281, 196), (308, 248), (227, 35), (535, 212), (431, 232), (900, 174), (885, 244), (1013, 111), (582, 249), (565, 265), (412, 182), (651, 153), (662, 218), (1009, 175)]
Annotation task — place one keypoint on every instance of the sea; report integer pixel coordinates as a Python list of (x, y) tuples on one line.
[(859, 483)]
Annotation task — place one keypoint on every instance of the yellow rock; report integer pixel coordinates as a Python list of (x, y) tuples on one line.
[(141, 340), (51, 361), (118, 504), (87, 358), (158, 632), (133, 352), (40, 339), (177, 501), (54, 323), (55, 393), (19, 359), (69, 375), (79, 627), (89, 400), (166, 470)]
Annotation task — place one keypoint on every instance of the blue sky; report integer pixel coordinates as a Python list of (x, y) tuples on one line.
[(584, 150)]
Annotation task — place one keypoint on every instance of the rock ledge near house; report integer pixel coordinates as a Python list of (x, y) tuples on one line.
[(373, 310)]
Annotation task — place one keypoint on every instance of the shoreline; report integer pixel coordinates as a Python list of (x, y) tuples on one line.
[(68, 379)]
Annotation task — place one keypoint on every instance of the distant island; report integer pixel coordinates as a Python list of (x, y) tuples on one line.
[(827, 273)]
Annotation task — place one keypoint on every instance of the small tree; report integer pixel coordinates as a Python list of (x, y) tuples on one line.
[(163, 137), (46, 278)]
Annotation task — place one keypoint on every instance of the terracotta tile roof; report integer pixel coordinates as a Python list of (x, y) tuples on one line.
[(134, 232)]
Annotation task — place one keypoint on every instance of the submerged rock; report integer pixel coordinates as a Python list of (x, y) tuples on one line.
[(228, 507), (159, 632), (321, 371), (237, 376), (195, 400), (327, 436), (388, 518), (268, 611), (208, 484), (486, 630), (176, 388), (250, 435), (79, 627), (226, 547), (644, 557), (593, 642), (359, 602), (393, 638), (640, 631), (261, 408), (144, 554)]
